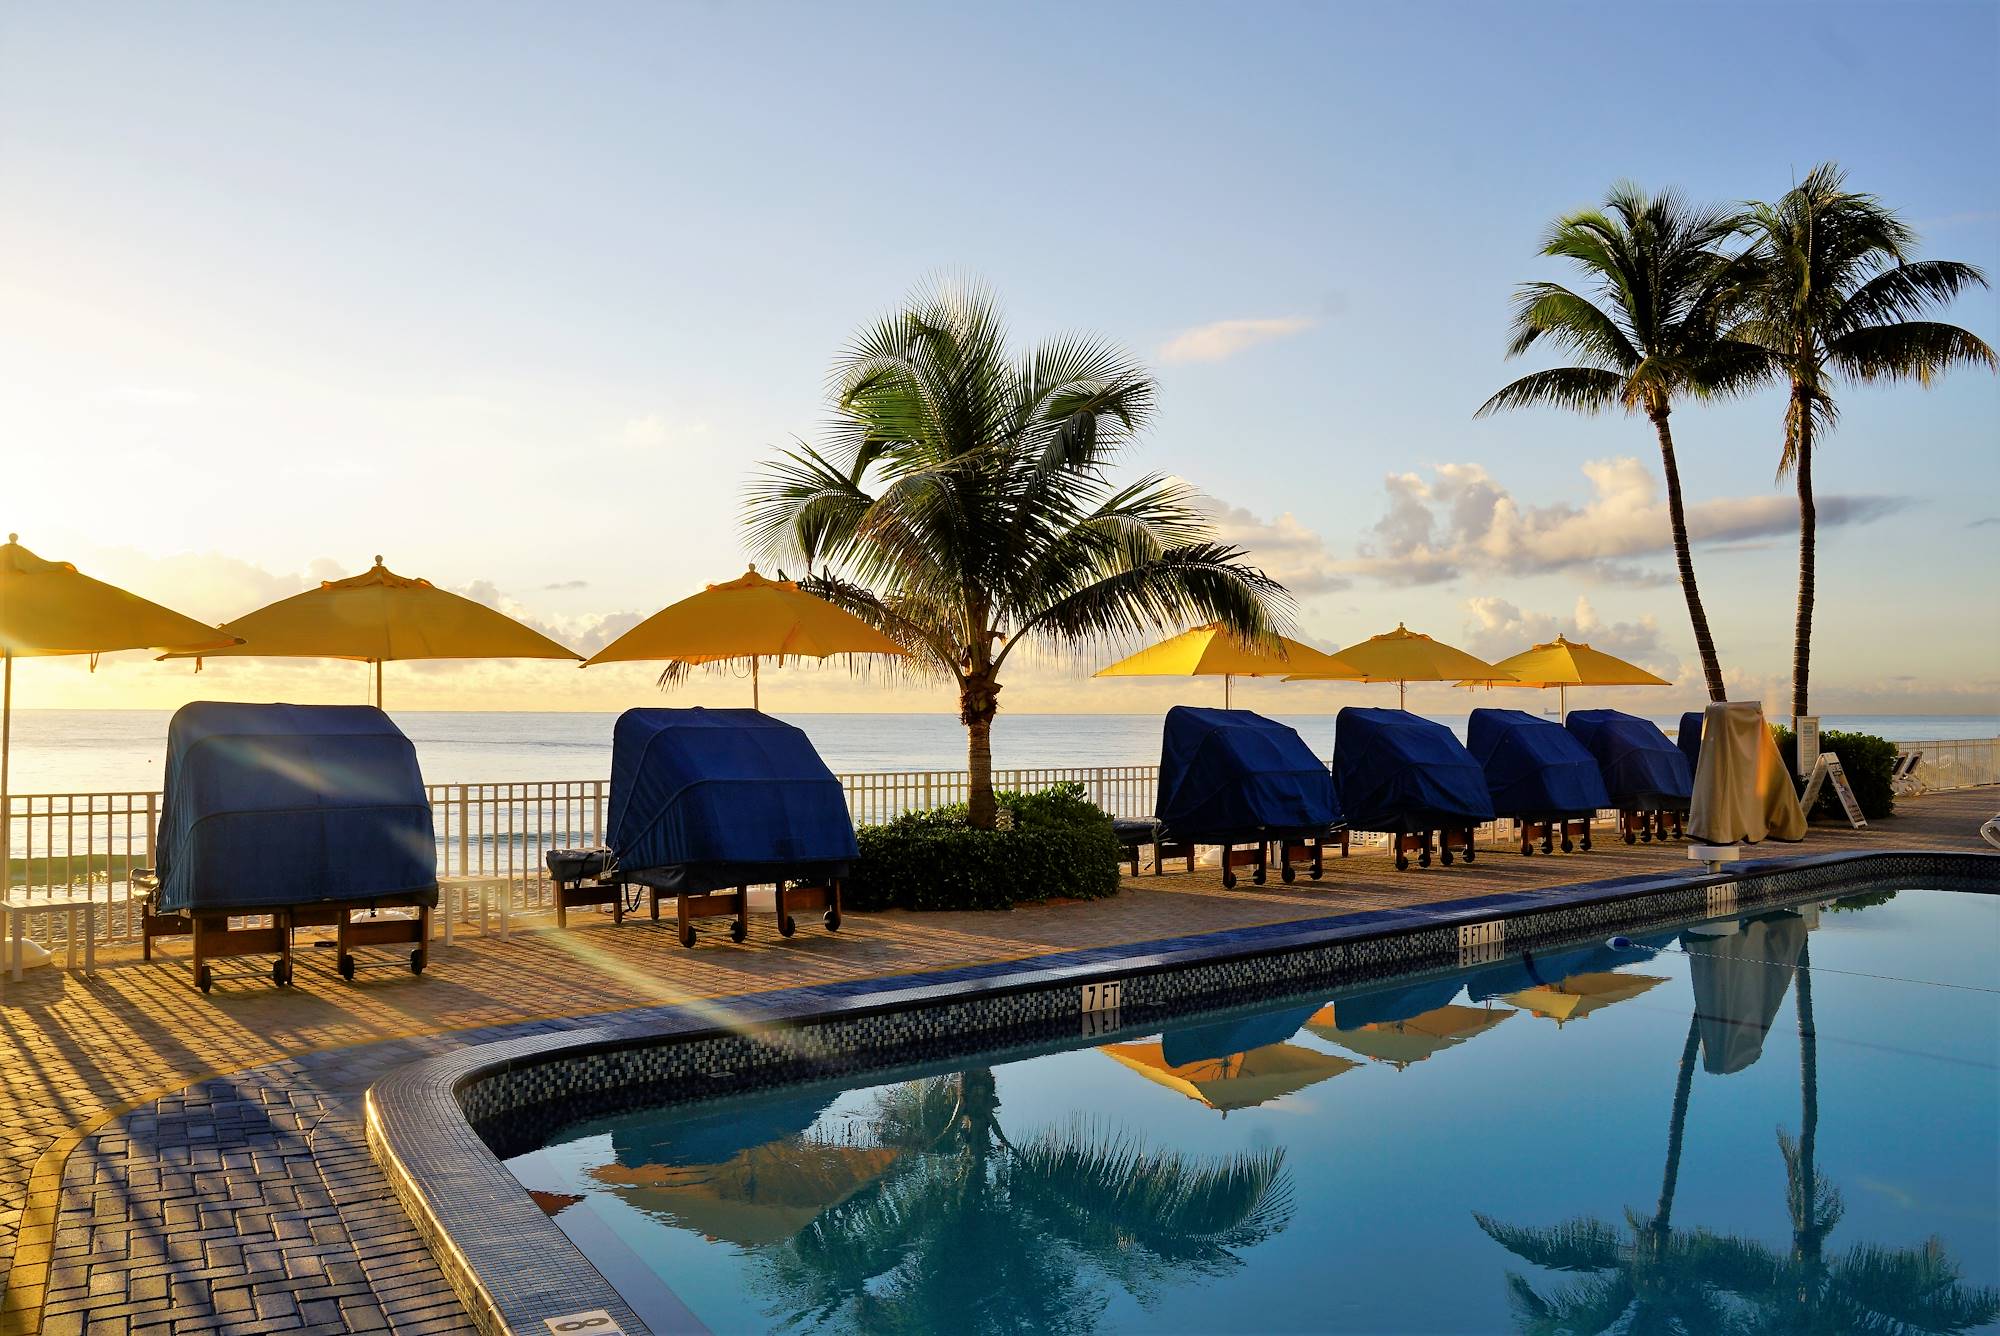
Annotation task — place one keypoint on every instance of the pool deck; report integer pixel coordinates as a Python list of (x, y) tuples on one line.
[(175, 1162)]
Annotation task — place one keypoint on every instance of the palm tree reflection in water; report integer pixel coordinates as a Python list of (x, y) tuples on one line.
[(1652, 1277), (973, 1232)]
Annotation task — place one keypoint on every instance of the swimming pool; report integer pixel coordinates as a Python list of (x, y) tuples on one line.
[(1562, 1142)]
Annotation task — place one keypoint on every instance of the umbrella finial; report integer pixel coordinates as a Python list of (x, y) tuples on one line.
[(13, 538), (378, 558), (753, 569)]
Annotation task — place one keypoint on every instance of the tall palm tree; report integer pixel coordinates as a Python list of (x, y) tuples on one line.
[(961, 502), (1646, 335), (1835, 297), (974, 1232)]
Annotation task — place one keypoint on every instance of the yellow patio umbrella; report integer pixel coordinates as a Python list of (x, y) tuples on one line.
[(1238, 1081), (1580, 994), (763, 1195), (751, 618), (1563, 664), (376, 617), (1210, 651), (1400, 1043), (48, 608), (1404, 656)]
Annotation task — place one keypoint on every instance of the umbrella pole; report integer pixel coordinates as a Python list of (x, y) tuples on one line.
[(378, 684), (756, 701), (1402, 694), (1562, 701), (6, 803), (1225, 690)]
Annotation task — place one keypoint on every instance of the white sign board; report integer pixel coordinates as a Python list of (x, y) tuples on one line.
[(1827, 767), (1805, 727)]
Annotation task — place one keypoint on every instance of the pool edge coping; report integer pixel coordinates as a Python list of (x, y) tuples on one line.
[(513, 1267)]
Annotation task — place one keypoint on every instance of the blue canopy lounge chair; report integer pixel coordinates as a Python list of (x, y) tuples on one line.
[(301, 814), (1646, 775), (1538, 775), (708, 803), (1408, 777), (1690, 738), (1237, 779)]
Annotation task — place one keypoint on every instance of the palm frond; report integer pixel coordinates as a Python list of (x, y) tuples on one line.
[(1916, 350), (1184, 586), (1582, 1244), (1579, 388)]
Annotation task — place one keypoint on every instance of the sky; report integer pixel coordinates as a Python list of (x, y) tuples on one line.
[(519, 296)]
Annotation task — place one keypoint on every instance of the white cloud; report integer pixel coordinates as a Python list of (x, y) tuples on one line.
[(1461, 519), (1500, 628), (1283, 548), (1223, 339), (653, 431)]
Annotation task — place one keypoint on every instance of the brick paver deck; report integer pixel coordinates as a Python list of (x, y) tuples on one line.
[(175, 1162)]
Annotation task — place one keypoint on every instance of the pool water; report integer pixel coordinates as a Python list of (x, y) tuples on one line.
[(1609, 1138)]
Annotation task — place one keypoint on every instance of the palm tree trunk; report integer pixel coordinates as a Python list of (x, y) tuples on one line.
[(1676, 1130), (1704, 643), (1808, 527), (977, 704), (1808, 1082)]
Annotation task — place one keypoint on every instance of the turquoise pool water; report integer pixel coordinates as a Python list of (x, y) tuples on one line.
[(1611, 1138)]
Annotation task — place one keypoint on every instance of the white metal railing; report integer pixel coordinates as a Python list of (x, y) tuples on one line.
[(495, 834)]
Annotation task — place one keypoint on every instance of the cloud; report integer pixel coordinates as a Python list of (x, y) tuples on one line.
[(1500, 628), (1460, 519), (563, 586), (654, 431), (1285, 549), (1223, 339), (1983, 521)]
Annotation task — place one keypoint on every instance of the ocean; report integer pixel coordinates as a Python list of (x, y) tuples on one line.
[(78, 751)]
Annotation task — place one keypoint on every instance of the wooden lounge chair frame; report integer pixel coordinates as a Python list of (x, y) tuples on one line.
[(213, 938), (1309, 850), (1418, 842), (1643, 825), (791, 897), (1574, 832)]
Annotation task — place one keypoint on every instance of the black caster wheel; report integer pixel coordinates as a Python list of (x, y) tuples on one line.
[(1317, 875), (1467, 855), (737, 932), (346, 967), (1645, 837), (1424, 858), (832, 920), (1228, 879), (787, 926), (1569, 845), (1257, 877), (1549, 847), (1527, 849), (1445, 856), (204, 978), (1289, 875), (1586, 844), (418, 959), (279, 974), (687, 935), (1402, 862), (1630, 838)]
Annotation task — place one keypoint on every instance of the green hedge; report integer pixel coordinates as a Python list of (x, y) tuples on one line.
[(1868, 761), (1055, 843)]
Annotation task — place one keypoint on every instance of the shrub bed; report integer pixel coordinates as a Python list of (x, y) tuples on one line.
[(1868, 761), (1054, 843)]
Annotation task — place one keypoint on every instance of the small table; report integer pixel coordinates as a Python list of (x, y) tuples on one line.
[(18, 907)]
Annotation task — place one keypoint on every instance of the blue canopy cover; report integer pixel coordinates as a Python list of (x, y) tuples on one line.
[(1231, 775), (1641, 767), (1225, 1039), (1690, 739), (713, 798), (273, 805), (1395, 771), (1534, 768)]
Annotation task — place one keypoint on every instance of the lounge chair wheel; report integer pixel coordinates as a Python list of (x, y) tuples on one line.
[(832, 920), (1445, 855), (1289, 874), (1569, 845), (1549, 847), (1646, 835), (279, 974), (1257, 877), (1228, 878), (204, 978), (418, 959), (346, 966), (688, 935), (1630, 838), (1586, 844), (1424, 858), (1316, 875), (1527, 848), (1402, 861), (787, 926), (737, 932), (1468, 854)]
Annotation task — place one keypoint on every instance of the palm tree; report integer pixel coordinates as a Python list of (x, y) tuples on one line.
[(1649, 334), (973, 1232), (1835, 294), (962, 504)]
